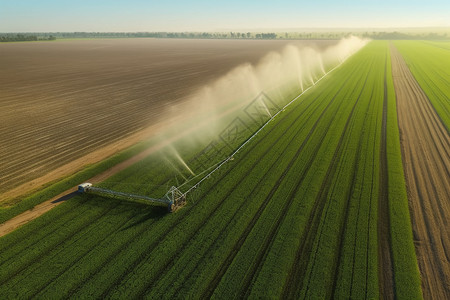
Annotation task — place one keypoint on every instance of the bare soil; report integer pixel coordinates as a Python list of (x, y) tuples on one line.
[(31, 214), (44, 207), (69, 103), (425, 144), (95, 98)]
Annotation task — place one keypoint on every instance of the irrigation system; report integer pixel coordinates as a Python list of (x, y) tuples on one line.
[(231, 157), (174, 198)]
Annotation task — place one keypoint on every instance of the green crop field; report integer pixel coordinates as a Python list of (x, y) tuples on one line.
[(295, 214), (430, 64)]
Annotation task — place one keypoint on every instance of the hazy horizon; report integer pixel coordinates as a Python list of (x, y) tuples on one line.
[(198, 15), (277, 30)]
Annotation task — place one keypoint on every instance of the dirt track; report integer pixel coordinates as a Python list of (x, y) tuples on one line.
[(425, 144)]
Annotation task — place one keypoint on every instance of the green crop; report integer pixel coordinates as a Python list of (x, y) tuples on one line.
[(430, 65), (295, 214)]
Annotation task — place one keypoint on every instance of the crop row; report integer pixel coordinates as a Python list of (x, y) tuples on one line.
[(258, 202), (283, 200), (404, 261), (295, 214), (178, 235), (345, 233), (138, 167), (429, 64), (142, 179)]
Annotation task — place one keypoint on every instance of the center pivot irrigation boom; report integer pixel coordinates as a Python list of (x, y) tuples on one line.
[(173, 199)]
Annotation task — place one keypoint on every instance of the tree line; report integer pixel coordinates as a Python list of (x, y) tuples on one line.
[(43, 36), (183, 35), (19, 37)]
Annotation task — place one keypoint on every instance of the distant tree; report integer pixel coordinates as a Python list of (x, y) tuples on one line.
[(19, 37)]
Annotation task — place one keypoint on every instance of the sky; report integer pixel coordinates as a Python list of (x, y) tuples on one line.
[(203, 15)]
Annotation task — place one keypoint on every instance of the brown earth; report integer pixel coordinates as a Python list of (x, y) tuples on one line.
[(425, 144), (76, 164), (31, 214), (69, 103)]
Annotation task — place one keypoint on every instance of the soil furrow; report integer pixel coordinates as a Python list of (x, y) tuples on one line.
[(296, 274), (348, 196), (124, 81), (262, 253), (47, 251), (135, 263), (385, 266), (274, 164), (424, 143)]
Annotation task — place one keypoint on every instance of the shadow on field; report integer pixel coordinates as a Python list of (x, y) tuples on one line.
[(154, 213), (142, 212), (66, 197)]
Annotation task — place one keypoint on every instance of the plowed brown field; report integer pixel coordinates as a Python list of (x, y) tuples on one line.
[(425, 146), (61, 101)]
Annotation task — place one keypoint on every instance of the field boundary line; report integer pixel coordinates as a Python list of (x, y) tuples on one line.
[(291, 290), (246, 286), (386, 280), (328, 190)]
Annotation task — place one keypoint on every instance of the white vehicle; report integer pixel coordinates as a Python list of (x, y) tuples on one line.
[(84, 187)]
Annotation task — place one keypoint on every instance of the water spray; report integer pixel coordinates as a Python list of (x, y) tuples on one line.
[(341, 57), (274, 72)]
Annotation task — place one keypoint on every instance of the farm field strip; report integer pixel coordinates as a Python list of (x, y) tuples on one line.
[(141, 171), (83, 96), (430, 66), (97, 236), (386, 245), (248, 140), (41, 159), (353, 152), (61, 216), (319, 208), (62, 257), (256, 191), (288, 184), (202, 280), (426, 160), (132, 281), (246, 169), (294, 214), (13, 272), (407, 282), (259, 193), (440, 44), (80, 104)]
